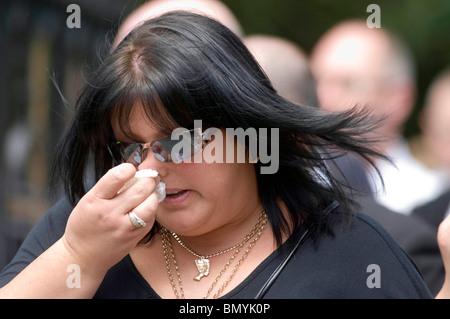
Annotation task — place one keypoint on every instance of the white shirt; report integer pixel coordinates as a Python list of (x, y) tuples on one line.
[(409, 183)]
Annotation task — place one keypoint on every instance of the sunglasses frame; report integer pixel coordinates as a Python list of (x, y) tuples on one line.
[(144, 147)]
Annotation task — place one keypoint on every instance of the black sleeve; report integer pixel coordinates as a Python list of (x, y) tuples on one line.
[(44, 234)]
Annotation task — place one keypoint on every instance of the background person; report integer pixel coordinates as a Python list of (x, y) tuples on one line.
[(287, 67), (356, 66), (431, 148), (214, 9)]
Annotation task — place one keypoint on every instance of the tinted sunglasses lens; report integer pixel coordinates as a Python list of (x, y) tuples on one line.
[(164, 150), (161, 149), (131, 153), (177, 150)]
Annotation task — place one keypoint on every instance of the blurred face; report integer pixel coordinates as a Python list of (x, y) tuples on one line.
[(348, 72), (436, 123), (351, 67), (201, 197)]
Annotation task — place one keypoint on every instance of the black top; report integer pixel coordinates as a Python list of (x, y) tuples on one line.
[(417, 239), (362, 261)]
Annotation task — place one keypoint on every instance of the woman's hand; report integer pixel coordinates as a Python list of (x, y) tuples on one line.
[(443, 238), (99, 232)]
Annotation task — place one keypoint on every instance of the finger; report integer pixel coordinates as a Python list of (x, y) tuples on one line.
[(108, 186), (146, 211), (146, 173), (443, 238), (135, 194)]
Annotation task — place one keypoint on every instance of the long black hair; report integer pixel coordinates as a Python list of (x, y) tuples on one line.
[(182, 67)]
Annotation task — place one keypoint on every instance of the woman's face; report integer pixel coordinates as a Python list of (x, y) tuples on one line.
[(201, 197)]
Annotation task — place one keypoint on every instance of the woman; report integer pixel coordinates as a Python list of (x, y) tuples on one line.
[(224, 229)]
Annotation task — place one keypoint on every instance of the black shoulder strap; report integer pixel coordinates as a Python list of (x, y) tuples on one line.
[(281, 266)]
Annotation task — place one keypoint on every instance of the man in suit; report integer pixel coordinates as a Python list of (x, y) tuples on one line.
[(416, 237), (356, 66), (432, 148), (282, 60)]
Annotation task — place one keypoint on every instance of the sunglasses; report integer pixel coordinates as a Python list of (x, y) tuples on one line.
[(163, 148)]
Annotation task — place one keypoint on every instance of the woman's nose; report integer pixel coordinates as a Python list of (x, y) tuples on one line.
[(151, 162)]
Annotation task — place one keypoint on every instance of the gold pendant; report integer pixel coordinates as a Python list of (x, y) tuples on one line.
[(203, 268)]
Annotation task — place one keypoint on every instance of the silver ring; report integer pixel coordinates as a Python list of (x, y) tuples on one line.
[(135, 220)]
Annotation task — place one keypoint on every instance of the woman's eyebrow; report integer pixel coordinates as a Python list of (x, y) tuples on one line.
[(129, 137)]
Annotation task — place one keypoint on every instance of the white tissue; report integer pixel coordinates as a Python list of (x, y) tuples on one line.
[(160, 189), (146, 173)]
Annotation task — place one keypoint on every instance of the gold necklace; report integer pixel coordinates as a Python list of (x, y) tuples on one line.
[(203, 264), (167, 247)]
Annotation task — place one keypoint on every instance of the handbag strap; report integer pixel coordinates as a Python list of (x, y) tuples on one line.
[(261, 293)]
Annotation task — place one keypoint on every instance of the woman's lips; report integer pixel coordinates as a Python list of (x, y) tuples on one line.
[(176, 196)]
